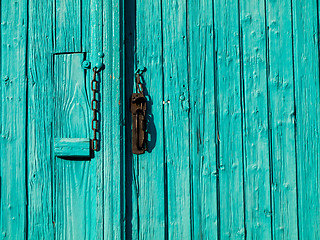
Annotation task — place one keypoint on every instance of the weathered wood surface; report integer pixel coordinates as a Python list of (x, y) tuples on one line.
[(307, 115), (229, 117), (151, 184), (233, 119), (280, 75), (73, 210), (72, 147), (13, 42), (203, 123)]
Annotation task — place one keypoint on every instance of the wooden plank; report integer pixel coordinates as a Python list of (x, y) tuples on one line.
[(67, 28), (92, 41), (282, 124), (72, 147), (112, 114), (131, 166), (151, 164), (74, 186), (202, 119), (176, 118), (307, 95), (232, 219), (258, 210), (13, 35), (40, 107)]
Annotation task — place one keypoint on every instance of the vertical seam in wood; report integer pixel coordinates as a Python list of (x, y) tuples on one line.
[(295, 120), (243, 124), (121, 112), (189, 128), (1, 117), (216, 111), (136, 178), (269, 118), (165, 168), (26, 124), (102, 87), (54, 24), (53, 167), (81, 25)]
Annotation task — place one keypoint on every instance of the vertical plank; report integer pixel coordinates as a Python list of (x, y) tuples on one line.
[(151, 164), (67, 28), (40, 105), (73, 192), (232, 219), (202, 119), (256, 135), (131, 167), (13, 40), (112, 114), (176, 118), (307, 95), (92, 42), (282, 122)]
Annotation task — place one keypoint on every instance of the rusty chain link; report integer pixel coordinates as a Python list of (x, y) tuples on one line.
[(94, 107), (139, 87)]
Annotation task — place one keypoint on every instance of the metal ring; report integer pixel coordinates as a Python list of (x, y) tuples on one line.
[(94, 124), (94, 104), (94, 144), (95, 85)]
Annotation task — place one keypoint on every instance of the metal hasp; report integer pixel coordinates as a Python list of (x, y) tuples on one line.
[(138, 110)]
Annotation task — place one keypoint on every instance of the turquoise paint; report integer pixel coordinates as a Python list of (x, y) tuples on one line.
[(233, 121), (230, 120), (72, 147), (13, 164), (307, 115)]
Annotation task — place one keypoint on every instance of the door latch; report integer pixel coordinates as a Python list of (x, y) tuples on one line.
[(138, 105)]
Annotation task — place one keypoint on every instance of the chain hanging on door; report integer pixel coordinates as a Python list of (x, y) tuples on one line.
[(94, 107)]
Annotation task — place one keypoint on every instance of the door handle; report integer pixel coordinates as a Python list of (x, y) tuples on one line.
[(138, 105)]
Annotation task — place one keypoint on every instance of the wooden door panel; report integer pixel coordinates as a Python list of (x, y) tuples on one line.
[(68, 25), (73, 182)]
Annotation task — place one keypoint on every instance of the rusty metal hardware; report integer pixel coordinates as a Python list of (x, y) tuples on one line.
[(94, 107), (138, 105)]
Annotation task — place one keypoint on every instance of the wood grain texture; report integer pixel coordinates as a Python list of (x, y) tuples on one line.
[(131, 167), (72, 147), (74, 191), (232, 219), (203, 137), (40, 115), (233, 119), (176, 118), (282, 119), (112, 115), (307, 95), (151, 198), (258, 212), (92, 39), (67, 26), (13, 41)]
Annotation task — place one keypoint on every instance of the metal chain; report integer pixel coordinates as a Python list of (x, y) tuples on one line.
[(94, 107), (139, 87)]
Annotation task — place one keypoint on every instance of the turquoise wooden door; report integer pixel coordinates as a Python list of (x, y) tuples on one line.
[(233, 89), (233, 119), (45, 97)]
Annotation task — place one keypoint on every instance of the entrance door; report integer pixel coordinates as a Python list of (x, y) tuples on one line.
[(232, 119)]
